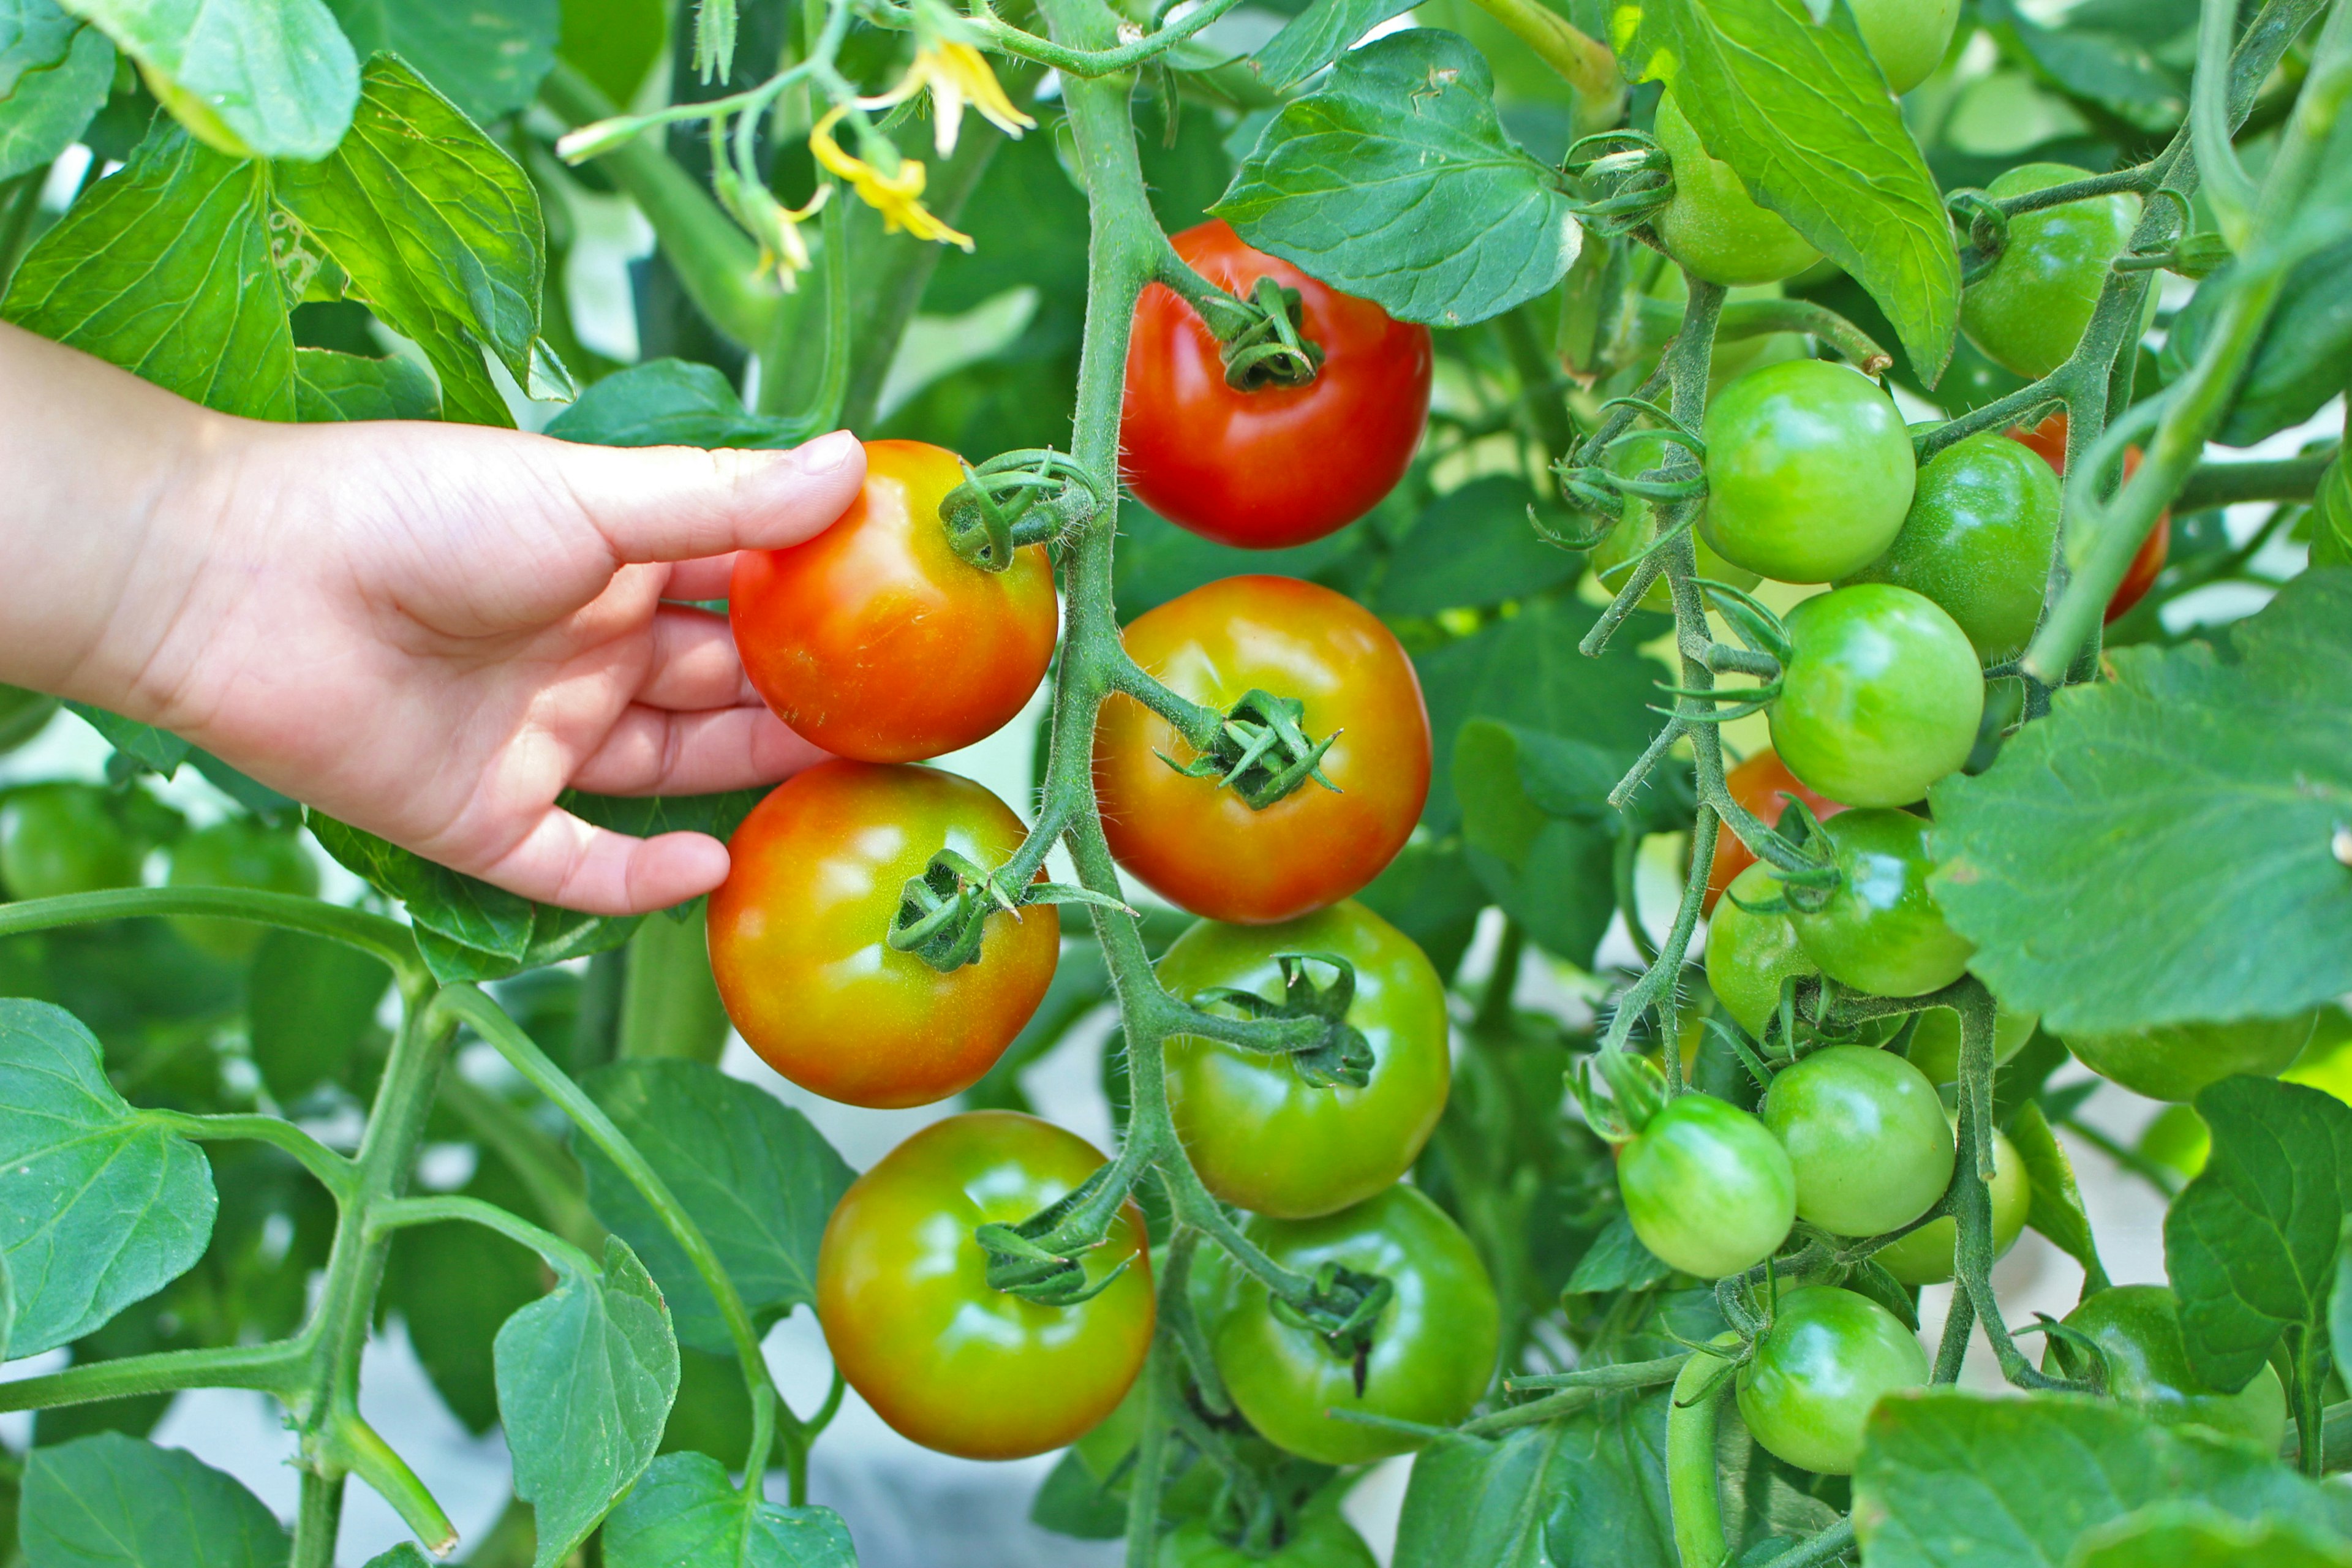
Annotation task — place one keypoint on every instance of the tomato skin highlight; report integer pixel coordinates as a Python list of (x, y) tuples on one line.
[(1881, 930), (2179, 1061), (949, 1361), (1762, 784), (1866, 1137), (1829, 1357), (1977, 542), (1809, 471), (1433, 1349), (797, 936), (2138, 1329), (1199, 844), (1713, 226), (1707, 1187), (1925, 1256), (2029, 309), (1881, 697), (874, 640), (1264, 1139), (1281, 464), (2049, 439), (1748, 955)]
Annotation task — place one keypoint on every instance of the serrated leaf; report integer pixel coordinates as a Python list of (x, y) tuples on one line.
[(1583, 1492), (2057, 1203), (55, 72), (2158, 849), (1317, 35), (99, 1208), (157, 751), (1616, 1261), (1472, 549), (2198, 1535), (331, 386), (1802, 113), (666, 403), (279, 74), (1396, 182), (2251, 1244), (753, 1174), (112, 1501), (489, 60), (686, 1514), (585, 1378), (646, 814)]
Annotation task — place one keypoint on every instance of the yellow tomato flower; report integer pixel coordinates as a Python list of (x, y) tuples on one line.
[(898, 197), (957, 74)]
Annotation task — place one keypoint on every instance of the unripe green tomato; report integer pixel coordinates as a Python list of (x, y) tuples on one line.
[(1978, 541), (1829, 1357), (60, 838), (1934, 1047), (22, 715), (1925, 1256), (1748, 955), (2138, 1329), (237, 853), (2029, 310), (1880, 698), (1907, 38), (2331, 517), (1880, 931), (1809, 471), (1713, 225), (1322, 1539), (2177, 1062), (1708, 1190), (1866, 1137), (2178, 1139), (1613, 556)]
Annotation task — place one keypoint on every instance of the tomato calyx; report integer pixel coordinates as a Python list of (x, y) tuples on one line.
[(1339, 1309), (1259, 339), (943, 914), (1621, 180), (1258, 751), (1987, 227), (1336, 1053), (1033, 496), (1040, 1258)]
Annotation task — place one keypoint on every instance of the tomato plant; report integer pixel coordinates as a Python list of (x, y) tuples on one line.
[(2030, 310), (1924, 1256), (1881, 929), (1713, 228), (1866, 1137), (1706, 1187), (2134, 1330), (1880, 697), (1977, 542), (1809, 472), (1827, 1358), (1761, 785), (1750, 952)]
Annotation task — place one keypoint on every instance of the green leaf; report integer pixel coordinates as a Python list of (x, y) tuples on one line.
[(2251, 1244), (439, 231), (279, 74), (99, 1208), (157, 751), (112, 1501), (1473, 549), (1396, 182), (2111, 69), (489, 60), (1586, 1493), (165, 270), (454, 1285), (752, 1172), (2198, 1535), (462, 909), (1430, 893), (2299, 361), (666, 403), (585, 1378), (1158, 560), (1073, 1501), (1319, 34), (685, 1514), (1616, 1261), (1948, 1476), (1552, 874), (331, 386), (2158, 850), (1081, 984), (646, 814), (404, 1555), (1802, 113), (55, 73), (310, 1004), (613, 42), (2057, 1212)]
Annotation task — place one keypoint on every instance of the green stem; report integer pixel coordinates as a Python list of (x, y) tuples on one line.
[(2227, 186), (335, 1173), (1691, 1492), (2310, 1411), (1108, 61), (401, 1213), (2227, 484), (546, 1169), (669, 1004), (386, 939), (273, 1368), (1540, 375), (1741, 318), (1833, 1541)]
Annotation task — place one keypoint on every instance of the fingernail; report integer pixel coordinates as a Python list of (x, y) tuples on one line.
[(826, 453)]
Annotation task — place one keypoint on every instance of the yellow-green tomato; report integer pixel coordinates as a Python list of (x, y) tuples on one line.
[(1880, 698), (1262, 1136), (237, 853), (1707, 1188), (1613, 557), (1827, 1360), (1907, 38), (2177, 1062), (1881, 930), (1925, 1256), (2178, 1139), (1713, 225), (1935, 1043), (2138, 1331), (1749, 955), (2029, 310), (1809, 472), (1866, 1137), (1979, 542)]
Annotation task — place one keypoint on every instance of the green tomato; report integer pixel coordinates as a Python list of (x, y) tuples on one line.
[(1907, 38), (2029, 310), (1613, 556), (1433, 1349), (1925, 1256), (237, 853), (1749, 955), (1866, 1137), (2177, 1062), (60, 838), (1880, 698), (1977, 540), (22, 715), (1263, 1137), (2138, 1331), (1713, 225), (2178, 1139), (1880, 931), (1934, 1047), (1809, 472), (1707, 1188), (1827, 1360), (1322, 1540)]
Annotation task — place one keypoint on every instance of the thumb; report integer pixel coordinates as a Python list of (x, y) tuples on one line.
[(681, 504)]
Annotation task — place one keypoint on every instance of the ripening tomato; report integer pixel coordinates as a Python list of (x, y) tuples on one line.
[(2138, 1331), (1881, 697), (2029, 310), (1713, 226), (1866, 1137), (1762, 784), (1881, 930), (797, 936), (2178, 1061), (1809, 471), (2049, 438), (237, 853), (1272, 465), (944, 1357), (874, 640), (1925, 1256), (1977, 540), (1199, 844), (1707, 1186), (1827, 1360)]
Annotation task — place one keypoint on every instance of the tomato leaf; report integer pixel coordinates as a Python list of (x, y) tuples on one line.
[(2251, 1244), (101, 1207), (2057, 1203), (586, 1377), (2158, 849), (1317, 35), (1616, 1261), (1552, 873), (1472, 549), (1430, 893), (1396, 182), (1948, 1476), (613, 42), (157, 751), (686, 1514), (2301, 359), (310, 1004), (279, 74), (1802, 113), (756, 1176), (489, 60), (111, 1502), (454, 1284), (666, 403), (53, 75), (331, 386), (2198, 1535), (463, 910), (1601, 1482), (2108, 68)]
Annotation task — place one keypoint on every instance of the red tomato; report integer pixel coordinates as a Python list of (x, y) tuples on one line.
[(1199, 845), (2049, 439), (797, 929), (1279, 465), (1762, 784), (875, 639)]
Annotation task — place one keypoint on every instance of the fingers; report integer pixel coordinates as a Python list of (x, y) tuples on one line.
[(680, 503), (564, 861), (649, 751), (694, 664), (696, 582)]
